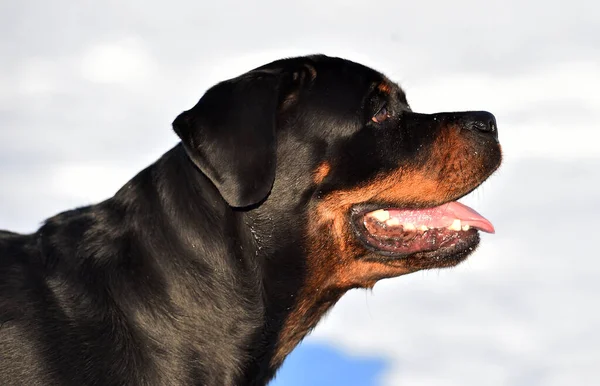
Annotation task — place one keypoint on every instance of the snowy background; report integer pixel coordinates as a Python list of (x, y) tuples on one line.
[(88, 91)]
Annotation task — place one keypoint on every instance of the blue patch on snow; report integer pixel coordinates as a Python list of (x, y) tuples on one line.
[(319, 365)]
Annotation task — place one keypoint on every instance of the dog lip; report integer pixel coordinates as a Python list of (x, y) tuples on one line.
[(436, 244), (381, 229)]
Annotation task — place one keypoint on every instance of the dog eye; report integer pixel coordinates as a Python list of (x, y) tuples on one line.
[(381, 115)]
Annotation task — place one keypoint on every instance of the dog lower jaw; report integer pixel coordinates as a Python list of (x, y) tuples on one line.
[(444, 257)]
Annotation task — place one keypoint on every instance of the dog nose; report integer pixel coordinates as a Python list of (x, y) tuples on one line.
[(481, 122)]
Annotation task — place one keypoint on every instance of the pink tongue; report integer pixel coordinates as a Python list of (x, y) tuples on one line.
[(442, 216)]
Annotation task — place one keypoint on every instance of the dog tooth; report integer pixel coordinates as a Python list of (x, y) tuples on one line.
[(455, 225), (392, 222), (409, 227), (466, 227), (424, 228), (381, 215)]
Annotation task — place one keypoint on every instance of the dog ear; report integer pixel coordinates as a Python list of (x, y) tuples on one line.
[(230, 135)]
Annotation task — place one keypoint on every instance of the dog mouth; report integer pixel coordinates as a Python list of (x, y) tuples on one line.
[(441, 231)]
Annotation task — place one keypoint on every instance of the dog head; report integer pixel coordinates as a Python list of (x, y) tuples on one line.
[(336, 144), (342, 183)]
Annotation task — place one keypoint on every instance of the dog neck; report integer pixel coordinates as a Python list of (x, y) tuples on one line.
[(294, 301), (260, 283)]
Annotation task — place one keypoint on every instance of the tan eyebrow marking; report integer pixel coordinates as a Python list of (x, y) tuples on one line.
[(384, 87)]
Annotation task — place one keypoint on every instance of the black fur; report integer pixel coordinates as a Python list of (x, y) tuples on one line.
[(186, 275)]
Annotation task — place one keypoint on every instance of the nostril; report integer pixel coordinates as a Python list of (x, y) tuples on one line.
[(484, 122), (492, 125)]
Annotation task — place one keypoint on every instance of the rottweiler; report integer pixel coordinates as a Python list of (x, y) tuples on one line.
[(292, 184)]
